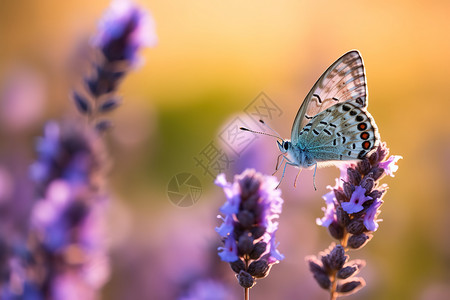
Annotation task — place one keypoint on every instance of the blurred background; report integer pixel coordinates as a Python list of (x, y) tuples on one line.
[(211, 64)]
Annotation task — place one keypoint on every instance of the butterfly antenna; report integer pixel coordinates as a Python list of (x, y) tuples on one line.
[(260, 132), (273, 130)]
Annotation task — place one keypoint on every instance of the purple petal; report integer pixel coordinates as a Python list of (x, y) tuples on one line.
[(227, 226), (228, 253), (275, 255), (356, 201), (370, 220), (390, 165), (330, 216)]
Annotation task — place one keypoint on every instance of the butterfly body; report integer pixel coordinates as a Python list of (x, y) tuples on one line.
[(333, 125)]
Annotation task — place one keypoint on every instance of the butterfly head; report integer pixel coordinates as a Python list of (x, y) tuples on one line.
[(284, 146)]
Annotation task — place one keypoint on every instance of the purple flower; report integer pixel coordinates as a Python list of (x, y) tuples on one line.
[(70, 152), (330, 216), (275, 255), (67, 221), (228, 252), (372, 212), (390, 165), (227, 226), (351, 212), (248, 229), (330, 210), (356, 201), (47, 148), (124, 29), (231, 192)]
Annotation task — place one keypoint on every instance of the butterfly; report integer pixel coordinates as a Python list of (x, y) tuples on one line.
[(332, 125)]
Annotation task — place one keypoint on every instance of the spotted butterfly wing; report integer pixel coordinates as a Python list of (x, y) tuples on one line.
[(344, 80), (345, 131)]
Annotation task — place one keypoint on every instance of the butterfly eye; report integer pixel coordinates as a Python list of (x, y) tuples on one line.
[(286, 146)]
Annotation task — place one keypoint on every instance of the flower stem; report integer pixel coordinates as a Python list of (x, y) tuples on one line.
[(246, 290), (344, 240), (333, 294)]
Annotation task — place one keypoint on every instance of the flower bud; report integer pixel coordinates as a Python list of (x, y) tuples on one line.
[(246, 218), (375, 194), (356, 226), (249, 185), (342, 216), (367, 183), (259, 268), (258, 249), (245, 244), (377, 172), (336, 230), (348, 189), (350, 287), (363, 166), (237, 266), (346, 272), (326, 263), (340, 195), (245, 280), (323, 280), (373, 158), (337, 257), (314, 265), (357, 241), (258, 231), (353, 176), (251, 202)]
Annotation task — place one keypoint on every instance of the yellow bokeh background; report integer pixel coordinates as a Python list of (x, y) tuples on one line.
[(212, 59)]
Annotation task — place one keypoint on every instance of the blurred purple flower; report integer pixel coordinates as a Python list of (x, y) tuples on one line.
[(67, 222), (227, 226), (64, 255), (124, 29), (208, 289), (229, 252), (275, 256), (69, 152), (253, 204)]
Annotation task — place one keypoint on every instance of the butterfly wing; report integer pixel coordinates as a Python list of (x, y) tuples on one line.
[(344, 80), (345, 131)]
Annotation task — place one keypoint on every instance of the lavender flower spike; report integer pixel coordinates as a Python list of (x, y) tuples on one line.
[(124, 29), (252, 207), (353, 206), (67, 244)]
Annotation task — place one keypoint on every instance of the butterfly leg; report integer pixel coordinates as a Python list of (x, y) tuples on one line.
[(296, 177), (282, 175), (314, 177), (278, 164)]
